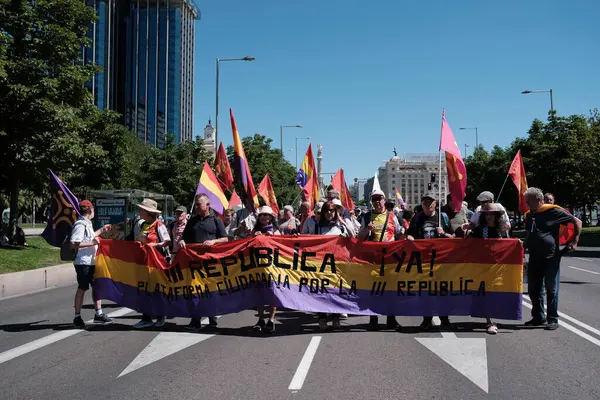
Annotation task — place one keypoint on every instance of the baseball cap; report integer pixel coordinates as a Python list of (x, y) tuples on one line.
[(337, 203), (289, 208), (86, 203), (428, 196), (485, 196), (378, 193), (181, 209), (318, 206)]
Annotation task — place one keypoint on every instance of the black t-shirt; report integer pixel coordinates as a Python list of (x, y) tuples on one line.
[(201, 229), (423, 226), (542, 232)]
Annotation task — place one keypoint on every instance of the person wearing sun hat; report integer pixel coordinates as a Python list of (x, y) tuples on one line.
[(149, 231), (265, 225)]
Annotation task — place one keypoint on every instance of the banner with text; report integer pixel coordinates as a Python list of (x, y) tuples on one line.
[(481, 278)]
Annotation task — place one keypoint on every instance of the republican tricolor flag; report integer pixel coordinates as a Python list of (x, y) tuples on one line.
[(307, 173), (457, 172), (209, 185), (399, 199), (242, 170)]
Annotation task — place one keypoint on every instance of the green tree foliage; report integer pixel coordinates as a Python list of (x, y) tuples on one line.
[(263, 159)]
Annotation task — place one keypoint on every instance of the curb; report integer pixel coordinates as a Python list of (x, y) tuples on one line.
[(24, 282)]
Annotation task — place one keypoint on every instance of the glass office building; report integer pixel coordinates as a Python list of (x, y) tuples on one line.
[(146, 51)]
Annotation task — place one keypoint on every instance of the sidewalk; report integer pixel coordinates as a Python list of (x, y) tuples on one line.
[(33, 231), (20, 283)]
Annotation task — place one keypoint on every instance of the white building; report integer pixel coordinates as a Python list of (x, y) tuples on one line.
[(413, 175), (209, 138)]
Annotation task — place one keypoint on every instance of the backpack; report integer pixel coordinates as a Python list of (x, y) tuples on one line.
[(67, 253)]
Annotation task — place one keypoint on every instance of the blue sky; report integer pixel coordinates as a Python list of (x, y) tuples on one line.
[(365, 77)]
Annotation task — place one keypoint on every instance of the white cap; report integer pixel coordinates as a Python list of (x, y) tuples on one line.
[(377, 193), (337, 202)]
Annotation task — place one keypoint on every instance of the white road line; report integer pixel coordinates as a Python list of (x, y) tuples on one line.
[(53, 338), (304, 366), (583, 259), (438, 322), (573, 329), (573, 320), (584, 270)]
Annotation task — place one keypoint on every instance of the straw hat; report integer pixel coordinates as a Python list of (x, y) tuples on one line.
[(266, 210), (150, 206), (492, 208)]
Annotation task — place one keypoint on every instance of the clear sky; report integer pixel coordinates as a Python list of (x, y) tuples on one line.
[(363, 77)]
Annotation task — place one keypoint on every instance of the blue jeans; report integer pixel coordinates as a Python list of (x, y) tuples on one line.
[(540, 272)]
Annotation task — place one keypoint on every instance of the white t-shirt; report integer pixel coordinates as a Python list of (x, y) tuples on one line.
[(83, 232)]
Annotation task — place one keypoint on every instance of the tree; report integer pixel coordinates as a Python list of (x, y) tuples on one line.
[(42, 91), (262, 159)]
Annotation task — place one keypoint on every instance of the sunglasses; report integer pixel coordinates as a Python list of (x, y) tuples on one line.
[(264, 215), (331, 210)]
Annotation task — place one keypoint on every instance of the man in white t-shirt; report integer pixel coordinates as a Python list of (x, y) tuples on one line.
[(84, 240)]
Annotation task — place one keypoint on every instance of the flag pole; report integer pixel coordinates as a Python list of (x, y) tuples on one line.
[(440, 192), (499, 194)]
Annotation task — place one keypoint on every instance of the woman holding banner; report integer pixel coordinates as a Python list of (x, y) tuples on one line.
[(329, 224), (265, 225), (489, 228)]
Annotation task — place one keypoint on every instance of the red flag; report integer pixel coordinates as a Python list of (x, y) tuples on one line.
[(235, 203), (339, 183), (265, 189), (457, 172), (308, 193), (223, 169), (517, 174)]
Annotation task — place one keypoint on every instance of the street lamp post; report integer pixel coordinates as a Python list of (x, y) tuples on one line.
[(306, 138), (466, 145), (247, 58), (541, 91), (476, 134), (281, 134)]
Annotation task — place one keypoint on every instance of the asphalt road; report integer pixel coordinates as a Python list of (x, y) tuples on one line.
[(41, 357)]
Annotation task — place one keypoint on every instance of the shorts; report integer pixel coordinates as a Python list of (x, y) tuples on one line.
[(85, 276)]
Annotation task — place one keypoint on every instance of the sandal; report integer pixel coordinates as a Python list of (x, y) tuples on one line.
[(492, 329)]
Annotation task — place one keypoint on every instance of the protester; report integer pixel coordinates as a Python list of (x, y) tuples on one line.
[(333, 194), (229, 223), (149, 230), (468, 211), (330, 223), (290, 223), (309, 226), (485, 198), (177, 227), (426, 225), (407, 216), (456, 219), (208, 230), (305, 213), (380, 225), (347, 224), (489, 228), (265, 225), (542, 225), (548, 198), (84, 240)]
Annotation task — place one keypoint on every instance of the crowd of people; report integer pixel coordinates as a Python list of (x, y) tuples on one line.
[(384, 222)]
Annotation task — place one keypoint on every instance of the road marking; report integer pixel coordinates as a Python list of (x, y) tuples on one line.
[(573, 320), (584, 270), (53, 338), (466, 355), (304, 366), (583, 259), (572, 328)]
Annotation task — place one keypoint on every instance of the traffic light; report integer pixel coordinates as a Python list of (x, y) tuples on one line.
[(429, 186), (432, 178)]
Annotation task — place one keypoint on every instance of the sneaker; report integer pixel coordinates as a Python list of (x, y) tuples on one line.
[(212, 321), (102, 319), (259, 326), (270, 326), (392, 323), (323, 324), (343, 316), (335, 323), (373, 323), (535, 322), (78, 323), (492, 329), (426, 325), (143, 324), (445, 323), (160, 322), (194, 325), (552, 326)]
